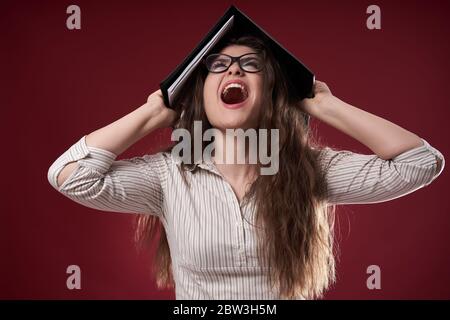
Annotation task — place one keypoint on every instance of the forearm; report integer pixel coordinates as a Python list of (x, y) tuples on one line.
[(384, 138), (124, 132), (116, 137)]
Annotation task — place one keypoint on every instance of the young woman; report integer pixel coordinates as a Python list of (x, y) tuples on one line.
[(228, 232)]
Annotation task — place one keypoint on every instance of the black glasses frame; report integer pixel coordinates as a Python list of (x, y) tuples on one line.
[(233, 59)]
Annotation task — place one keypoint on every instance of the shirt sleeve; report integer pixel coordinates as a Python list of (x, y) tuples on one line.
[(100, 182), (354, 178)]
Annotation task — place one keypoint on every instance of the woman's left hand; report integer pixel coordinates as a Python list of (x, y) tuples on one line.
[(321, 94)]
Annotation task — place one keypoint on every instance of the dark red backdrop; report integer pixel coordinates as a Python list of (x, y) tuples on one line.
[(58, 85)]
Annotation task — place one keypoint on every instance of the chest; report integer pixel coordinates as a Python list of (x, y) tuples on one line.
[(208, 226)]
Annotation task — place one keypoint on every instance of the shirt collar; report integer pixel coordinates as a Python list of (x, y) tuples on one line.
[(208, 166)]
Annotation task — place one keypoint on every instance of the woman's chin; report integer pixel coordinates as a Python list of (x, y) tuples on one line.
[(234, 124), (238, 118)]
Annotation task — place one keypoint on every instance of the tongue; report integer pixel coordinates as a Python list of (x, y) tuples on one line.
[(233, 95)]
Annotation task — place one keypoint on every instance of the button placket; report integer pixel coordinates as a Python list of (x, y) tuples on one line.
[(237, 210), (239, 222)]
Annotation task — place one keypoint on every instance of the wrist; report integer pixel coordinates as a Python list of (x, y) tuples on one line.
[(318, 106), (159, 118), (150, 119), (326, 106)]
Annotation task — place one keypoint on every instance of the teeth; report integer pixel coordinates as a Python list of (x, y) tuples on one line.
[(234, 85)]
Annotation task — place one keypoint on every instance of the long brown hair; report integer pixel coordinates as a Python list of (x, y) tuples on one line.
[(296, 237)]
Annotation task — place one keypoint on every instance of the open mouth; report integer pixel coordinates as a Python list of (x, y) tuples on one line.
[(234, 93)]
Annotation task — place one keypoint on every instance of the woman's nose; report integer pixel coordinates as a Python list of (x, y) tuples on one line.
[(235, 68)]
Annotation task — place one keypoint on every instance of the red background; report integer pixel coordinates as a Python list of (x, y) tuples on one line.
[(59, 84)]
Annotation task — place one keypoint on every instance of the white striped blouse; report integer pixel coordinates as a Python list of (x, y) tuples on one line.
[(210, 234)]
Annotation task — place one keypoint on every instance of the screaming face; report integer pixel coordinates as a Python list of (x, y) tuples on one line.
[(232, 98)]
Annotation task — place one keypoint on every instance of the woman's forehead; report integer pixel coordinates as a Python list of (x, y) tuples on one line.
[(236, 50)]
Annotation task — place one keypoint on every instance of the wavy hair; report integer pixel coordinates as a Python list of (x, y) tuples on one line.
[(295, 233)]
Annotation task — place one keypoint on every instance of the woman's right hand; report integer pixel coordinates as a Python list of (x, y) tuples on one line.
[(159, 112)]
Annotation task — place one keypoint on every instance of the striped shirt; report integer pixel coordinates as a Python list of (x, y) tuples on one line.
[(210, 234)]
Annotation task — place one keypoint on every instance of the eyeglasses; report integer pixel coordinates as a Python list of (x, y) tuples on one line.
[(220, 62)]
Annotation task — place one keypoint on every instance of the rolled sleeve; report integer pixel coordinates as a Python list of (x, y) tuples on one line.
[(100, 182), (354, 178), (76, 152), (421, 165)]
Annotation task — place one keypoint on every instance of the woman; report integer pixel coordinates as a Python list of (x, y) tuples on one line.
[(232, 232)]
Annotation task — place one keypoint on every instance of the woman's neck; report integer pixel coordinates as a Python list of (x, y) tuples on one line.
[(234, 158)]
